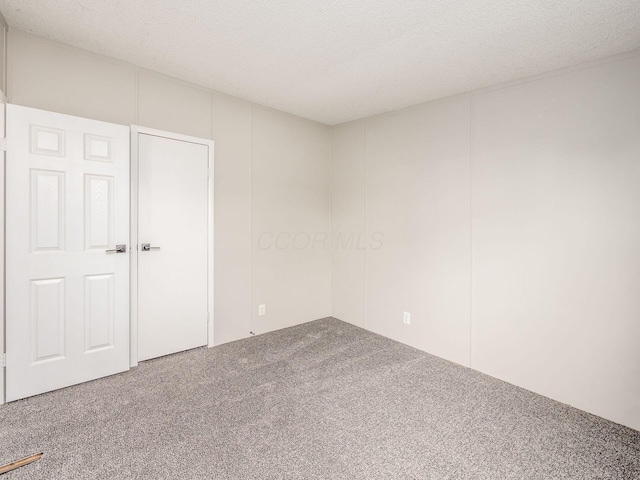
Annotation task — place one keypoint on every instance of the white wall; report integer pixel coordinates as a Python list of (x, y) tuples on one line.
[(62, 79), (556, 199), (418, 199), (401, 188), (253, 145), (231, 130), (291, 220), (348, 223), (511, 223)]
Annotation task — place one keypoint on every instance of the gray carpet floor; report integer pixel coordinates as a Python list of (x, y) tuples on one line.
[(323, 400)]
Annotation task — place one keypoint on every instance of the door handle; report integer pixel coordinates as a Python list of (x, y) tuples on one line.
[(118, 249), (147, 246)]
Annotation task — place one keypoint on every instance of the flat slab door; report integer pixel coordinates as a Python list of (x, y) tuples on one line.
[(67, 290), (173, 215)]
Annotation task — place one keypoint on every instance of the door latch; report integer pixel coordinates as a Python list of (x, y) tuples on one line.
[(118, 249)]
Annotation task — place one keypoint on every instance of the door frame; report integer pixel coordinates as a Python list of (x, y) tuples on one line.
[(136, 130)]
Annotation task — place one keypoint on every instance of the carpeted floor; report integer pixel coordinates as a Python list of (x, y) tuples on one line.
[(324, 400)]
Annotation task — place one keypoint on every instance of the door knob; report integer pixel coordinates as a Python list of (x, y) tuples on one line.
[(118, 249), (147, 246)]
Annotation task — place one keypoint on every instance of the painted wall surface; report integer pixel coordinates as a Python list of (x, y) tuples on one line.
[(61, 79), (528, 197), (401, 217), (231, 130), (418, 204), (173, 106), (348, 223), (556, 202), (291, 224), (50, 76)]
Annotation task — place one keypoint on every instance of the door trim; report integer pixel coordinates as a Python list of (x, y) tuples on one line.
[(135, 133)]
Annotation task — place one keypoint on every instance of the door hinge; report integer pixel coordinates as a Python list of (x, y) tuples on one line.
[(3, 144), (3, 360)]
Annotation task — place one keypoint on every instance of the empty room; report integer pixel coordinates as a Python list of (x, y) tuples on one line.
[(310, 239)]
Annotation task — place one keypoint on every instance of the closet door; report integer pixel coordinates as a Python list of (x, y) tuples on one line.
[(173, 237)]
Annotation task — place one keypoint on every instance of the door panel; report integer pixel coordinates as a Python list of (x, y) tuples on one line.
[(173, 220), (67, 200), (47, 319), (98, 201), (99, 311)]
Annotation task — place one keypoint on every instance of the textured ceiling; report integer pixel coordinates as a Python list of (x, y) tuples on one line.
[(338, 60)]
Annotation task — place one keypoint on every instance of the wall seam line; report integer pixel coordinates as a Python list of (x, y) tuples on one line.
[(366, 225), (331, 221), (471, 239), (251, 253)]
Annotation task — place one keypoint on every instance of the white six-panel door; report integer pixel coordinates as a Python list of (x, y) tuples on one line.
[(67, 206)]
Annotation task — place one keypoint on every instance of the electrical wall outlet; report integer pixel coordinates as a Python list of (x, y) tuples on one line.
[(262, 310), (406, 318)]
